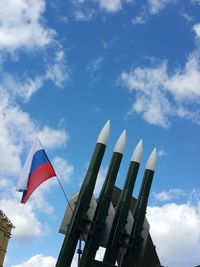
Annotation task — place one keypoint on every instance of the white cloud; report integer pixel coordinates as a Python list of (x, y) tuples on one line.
[(16, 87), (38, 260), (162, 153), (14, 124), (155, 109), (22, 25), (155, 6), (7, 189), (38, 200), (145, 79), (84, 15), (48, 261), (151, 8), (100, 180), (52, 138), (93, 68), (95, 64), (4, 183), (150, 100), (196, 29), (43, 261), (140, 19), (196, 2), (13, 86), (110, 5), (78, 2), (22, 216), (58, 72), (154, 86), (30, 87), (169, 195), (175, 230), (186, 16), (63, 169), (18, 130), (184, 83)]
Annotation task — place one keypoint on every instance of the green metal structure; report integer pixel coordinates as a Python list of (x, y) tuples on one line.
[(116, 220)]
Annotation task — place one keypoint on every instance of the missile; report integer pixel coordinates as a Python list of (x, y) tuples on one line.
[(101, 212), (135, 241), (70, 241), (122, 209)]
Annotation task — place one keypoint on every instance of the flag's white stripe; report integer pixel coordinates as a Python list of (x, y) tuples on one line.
[(23, 180)]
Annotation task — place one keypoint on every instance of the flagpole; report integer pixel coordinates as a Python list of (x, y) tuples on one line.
[(79, 251), (63, 190)]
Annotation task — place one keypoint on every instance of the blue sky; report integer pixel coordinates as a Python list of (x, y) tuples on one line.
[(66, 67)]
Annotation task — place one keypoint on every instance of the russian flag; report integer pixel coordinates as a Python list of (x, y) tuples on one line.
[(36, 170)]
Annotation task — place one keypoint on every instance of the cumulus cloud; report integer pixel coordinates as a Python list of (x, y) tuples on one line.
[(57, 71), (49, 261), (18, 130), (175, 230), (22, 25), (14, 86), (52, 138), (151, 8), (186, 16), (38, 260), (162, 153), (22, 216), (44, 261), (10, 163), (38, 200), (63, 169), (196, 29), (150, 99), (161, 95), (100, 180), (155, 6), (95, 64), (84, 15), (172, 194), (184, 83), (110, 5), (93, 68)]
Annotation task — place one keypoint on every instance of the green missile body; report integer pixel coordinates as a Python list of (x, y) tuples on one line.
[(103, 204), (135, 241), (84, 197), (122, 209)]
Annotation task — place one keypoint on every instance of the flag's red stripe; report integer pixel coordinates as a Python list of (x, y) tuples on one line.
[(41, 174)]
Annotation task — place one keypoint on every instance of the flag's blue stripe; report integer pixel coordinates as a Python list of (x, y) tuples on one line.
[(39, 158)]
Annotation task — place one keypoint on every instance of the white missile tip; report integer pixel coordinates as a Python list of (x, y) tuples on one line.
[(120, 145), (104, 134), (152, 160), (137, 153)]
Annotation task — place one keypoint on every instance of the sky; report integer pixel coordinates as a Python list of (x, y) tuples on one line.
[(66, 67)]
